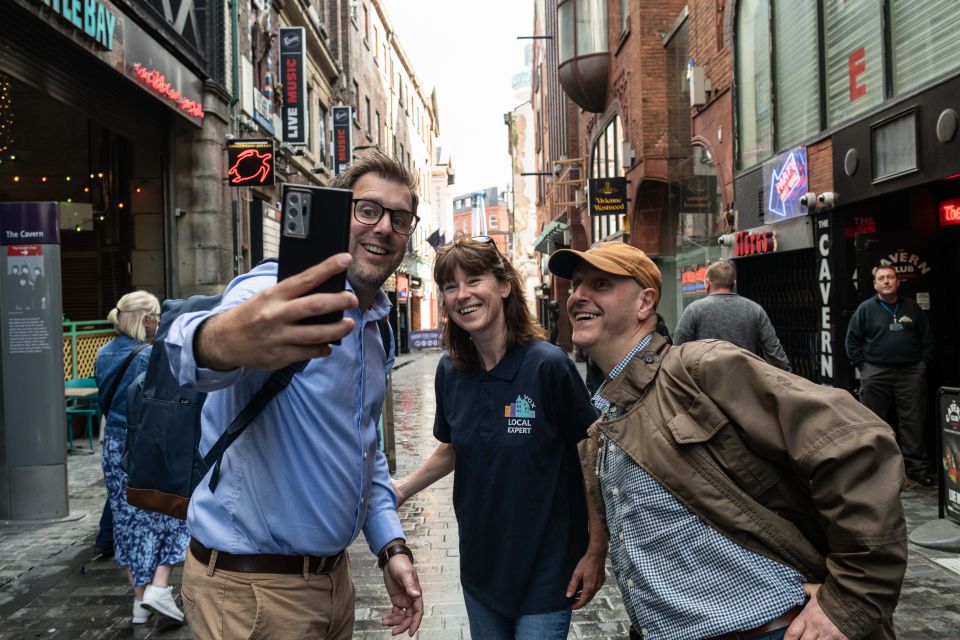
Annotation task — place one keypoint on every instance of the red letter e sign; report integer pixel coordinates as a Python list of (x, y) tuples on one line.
[(856, 63)]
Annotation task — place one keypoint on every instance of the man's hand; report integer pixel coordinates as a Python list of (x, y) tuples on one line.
[(588, 577), (265, 333), (813, 623), (403, 586), (397, 490)]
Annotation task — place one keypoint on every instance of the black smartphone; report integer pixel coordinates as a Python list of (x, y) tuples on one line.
[(315, 225)]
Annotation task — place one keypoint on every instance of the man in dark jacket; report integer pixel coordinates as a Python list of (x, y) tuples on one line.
[(890, 342), (742, 501)]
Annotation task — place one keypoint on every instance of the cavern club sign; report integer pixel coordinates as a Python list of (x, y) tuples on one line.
[(250, 163)]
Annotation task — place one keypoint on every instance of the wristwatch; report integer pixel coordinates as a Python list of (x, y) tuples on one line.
[(391, 550)]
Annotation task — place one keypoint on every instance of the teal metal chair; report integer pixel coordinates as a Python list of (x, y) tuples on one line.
[(88, 408)]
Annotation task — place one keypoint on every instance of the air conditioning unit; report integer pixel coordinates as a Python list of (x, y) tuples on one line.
[(698, 85)]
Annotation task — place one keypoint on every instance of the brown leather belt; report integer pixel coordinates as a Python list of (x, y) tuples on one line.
[(781, 622), (265, 562)]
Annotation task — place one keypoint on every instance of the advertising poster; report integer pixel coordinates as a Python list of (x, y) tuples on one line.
[(950, 452)]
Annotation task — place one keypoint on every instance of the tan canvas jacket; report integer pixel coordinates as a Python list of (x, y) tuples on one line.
[(789, 469)]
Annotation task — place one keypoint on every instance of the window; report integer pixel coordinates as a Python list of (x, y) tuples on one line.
[(493, 222), (367, 115), (376, 45), (379, 131), (797, 71), (356, 101), (926, 41), (853, 35), (754, 126), (605, 163), (366, 24), (894, 147)]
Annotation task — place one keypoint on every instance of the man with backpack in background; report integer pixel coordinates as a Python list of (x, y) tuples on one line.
[(269, 548)]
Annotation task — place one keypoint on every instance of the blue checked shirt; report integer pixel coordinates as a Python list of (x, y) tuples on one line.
[(680, 578)]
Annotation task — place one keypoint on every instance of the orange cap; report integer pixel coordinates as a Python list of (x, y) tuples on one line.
[(616, 258)]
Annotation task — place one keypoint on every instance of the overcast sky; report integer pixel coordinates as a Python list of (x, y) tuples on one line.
[(469, 51)]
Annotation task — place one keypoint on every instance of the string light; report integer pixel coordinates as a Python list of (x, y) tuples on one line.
[(120, 205), (16, 178)]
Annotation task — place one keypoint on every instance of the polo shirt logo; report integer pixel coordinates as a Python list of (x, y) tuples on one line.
[(520, 414)]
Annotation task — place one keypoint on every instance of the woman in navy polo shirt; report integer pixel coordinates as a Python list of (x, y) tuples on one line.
[(511, 409)]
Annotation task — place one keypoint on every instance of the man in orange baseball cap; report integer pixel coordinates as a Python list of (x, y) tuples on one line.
[(726, 483)]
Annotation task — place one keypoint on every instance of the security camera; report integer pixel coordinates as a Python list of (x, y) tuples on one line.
[(827, 198), (808, 201)]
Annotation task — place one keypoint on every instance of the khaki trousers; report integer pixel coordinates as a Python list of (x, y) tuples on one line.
[(228, 605)]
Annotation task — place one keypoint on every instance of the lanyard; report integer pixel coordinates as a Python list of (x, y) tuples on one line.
[(893, 312)]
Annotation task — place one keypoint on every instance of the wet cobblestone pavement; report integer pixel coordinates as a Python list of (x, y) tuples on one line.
[(52, 584)]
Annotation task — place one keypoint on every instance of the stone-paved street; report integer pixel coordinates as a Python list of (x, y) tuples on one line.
[(52, 585)]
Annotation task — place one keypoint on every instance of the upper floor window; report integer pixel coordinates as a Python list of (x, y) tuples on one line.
[(796, 80), (754, 105), (853, 35), (926, 41)]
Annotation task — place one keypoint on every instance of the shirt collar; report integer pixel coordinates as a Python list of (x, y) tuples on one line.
[(509, 364), (601, 403)]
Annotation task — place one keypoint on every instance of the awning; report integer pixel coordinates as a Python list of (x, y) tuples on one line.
[(550, 232)]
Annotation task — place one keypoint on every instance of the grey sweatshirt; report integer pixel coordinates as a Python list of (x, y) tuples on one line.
[(730, 317)]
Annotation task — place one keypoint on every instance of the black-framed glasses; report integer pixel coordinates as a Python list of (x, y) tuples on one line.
[(369, 212)]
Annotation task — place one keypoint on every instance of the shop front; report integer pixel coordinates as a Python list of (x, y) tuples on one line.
[(91, 108), (775, 254), (898, 204)]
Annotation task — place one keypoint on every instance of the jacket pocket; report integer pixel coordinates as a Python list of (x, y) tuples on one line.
[(699, 423), (722, 444)]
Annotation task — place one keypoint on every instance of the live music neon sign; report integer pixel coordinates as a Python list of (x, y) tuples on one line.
[(157, 82), (950, 212)]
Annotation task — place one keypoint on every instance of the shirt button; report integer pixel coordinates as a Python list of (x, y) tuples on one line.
[(620, 535), (364, 456), (630, 583), (644, 632), (362, 499), (611, 448), (615, 491)]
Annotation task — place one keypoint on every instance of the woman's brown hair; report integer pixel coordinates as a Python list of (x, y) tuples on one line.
[(477, 256)]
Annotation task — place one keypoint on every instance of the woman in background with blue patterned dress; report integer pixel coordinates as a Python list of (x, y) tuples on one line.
[(148, 544)]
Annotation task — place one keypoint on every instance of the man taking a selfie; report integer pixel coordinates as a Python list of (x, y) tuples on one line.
[(298, 486)]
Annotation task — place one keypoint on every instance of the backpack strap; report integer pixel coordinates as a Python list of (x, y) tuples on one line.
[(274, 385), (116, 381)]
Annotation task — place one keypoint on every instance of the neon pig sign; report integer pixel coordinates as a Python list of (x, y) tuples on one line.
[(157, 82), (787, 183)]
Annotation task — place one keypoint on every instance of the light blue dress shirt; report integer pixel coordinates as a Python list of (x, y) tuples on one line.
[(306, 476)]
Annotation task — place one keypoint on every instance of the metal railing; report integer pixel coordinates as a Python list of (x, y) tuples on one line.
[(81, 341)]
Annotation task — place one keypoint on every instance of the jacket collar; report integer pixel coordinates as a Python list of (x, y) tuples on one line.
[(629, 386)]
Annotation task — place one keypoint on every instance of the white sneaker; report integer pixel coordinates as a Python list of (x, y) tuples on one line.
[(140, 613), (160, 601)]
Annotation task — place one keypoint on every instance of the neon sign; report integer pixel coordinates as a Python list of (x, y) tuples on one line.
[(752, 244), (250, 162), (787, 183), (157, 82), (950, 212)]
